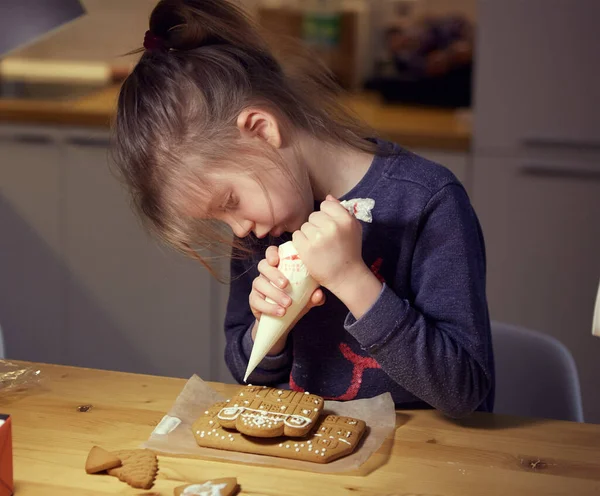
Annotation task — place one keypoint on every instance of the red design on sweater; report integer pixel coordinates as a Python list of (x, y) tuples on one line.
[(376, 267), (360, 364)]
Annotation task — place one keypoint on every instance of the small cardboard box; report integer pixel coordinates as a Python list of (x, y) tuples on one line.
[(6, 457)]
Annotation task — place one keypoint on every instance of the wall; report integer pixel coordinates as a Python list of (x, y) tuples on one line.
[(114, 27)]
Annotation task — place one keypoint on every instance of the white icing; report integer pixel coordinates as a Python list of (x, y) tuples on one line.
[(343, 441), (206, 489), (261, 418), (229, 413), (166, 425)]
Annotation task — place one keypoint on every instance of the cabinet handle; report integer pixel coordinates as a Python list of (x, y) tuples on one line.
[(31, 139), (575, 171), (549, 142), (88, 141)]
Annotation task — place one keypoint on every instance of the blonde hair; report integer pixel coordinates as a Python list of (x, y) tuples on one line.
[(183, 99)]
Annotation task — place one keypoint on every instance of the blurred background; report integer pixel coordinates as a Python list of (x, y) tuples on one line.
[(505, 93)]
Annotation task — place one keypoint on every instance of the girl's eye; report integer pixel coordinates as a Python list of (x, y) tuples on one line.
[(231, 202)]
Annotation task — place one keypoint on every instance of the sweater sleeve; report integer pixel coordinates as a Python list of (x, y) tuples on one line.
[(437, 345), (239, 321)]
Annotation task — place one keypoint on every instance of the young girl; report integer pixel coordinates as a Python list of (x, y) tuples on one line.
[(214, 130)]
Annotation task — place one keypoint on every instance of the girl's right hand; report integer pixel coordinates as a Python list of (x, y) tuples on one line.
[(262, 288)]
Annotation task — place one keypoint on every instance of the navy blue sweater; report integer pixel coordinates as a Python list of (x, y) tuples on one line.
[(426, 339)]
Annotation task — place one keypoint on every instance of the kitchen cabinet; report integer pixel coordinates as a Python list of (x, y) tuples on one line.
[(536, 170), (543, 240), (537, 82), (31, 266), (536, 224), (82, 282), (133, 304)]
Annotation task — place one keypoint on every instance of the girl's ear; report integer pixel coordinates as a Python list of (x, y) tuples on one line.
[(256, 123)]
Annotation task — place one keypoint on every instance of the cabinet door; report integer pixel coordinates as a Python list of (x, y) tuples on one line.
[(133, 305), (537, 76), (31, 268), (541, 228)]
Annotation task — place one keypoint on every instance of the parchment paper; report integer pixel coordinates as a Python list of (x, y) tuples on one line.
[(196, 396)]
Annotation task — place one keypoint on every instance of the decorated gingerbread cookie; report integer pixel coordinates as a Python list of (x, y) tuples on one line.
[(331, 438), (260, 411)]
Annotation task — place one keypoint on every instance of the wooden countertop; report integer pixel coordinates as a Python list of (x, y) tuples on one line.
[(428, 455), (412, 127)]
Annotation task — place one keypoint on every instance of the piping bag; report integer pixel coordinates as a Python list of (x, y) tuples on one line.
[(300, 288)]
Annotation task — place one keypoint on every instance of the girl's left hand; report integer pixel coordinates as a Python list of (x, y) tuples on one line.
[(330, 245)]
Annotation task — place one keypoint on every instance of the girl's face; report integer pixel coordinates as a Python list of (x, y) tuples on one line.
[(241, 202), (270, 201)]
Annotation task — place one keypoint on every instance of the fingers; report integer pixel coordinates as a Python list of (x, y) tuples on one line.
[(310, 231), (265, 296), (317, 299), (272, 256), (272, 273), (260, 306), (320, 219), (334, 208)]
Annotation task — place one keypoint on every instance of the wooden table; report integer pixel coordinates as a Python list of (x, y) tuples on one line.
[(429, 455)]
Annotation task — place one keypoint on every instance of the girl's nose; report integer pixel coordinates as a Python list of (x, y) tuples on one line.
[(241, 228)]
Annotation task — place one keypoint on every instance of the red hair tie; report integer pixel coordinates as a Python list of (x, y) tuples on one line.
[(152, 42)]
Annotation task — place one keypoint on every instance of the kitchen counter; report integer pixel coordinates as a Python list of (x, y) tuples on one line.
[(412, 127)]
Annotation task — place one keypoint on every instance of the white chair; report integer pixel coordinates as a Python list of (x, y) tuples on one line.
[(536, 375)]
